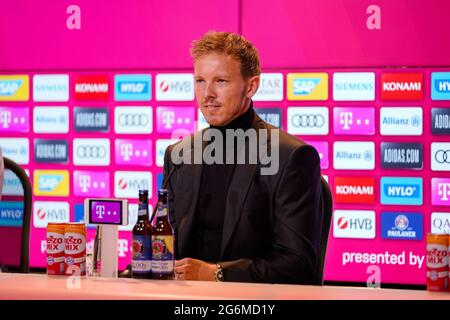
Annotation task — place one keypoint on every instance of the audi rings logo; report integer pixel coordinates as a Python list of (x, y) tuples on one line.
[(133, 119), (442, 156), (308, 120), (91, 151)]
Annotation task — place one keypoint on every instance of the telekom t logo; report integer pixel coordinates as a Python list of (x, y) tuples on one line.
[(126, 150), (5, 119), (84, 181), (122, 247), (346, 120), (168, 119), (100, 211), (444, 191)]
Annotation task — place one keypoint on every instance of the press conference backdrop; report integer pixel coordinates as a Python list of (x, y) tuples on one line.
[(86, 123)]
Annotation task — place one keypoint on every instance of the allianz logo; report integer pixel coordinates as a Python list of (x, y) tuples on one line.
[(9, 87), (49, 182), (14, 151), (354, 190), (402, 86), (414, 121), (133, 87), (442, 85), (396, 190), (305, 86), (365, 155), (49, 119)]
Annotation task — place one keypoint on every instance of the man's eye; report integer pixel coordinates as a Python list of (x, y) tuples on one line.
[(221, 80), (199, 80)]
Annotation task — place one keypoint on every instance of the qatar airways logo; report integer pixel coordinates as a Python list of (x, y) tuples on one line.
[(91, 183), (14, 119), (352, 121), (440, 191), (177, 118), (136, 152), (401, 86)]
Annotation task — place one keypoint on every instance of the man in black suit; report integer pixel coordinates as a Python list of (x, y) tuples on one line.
[(232, 220)]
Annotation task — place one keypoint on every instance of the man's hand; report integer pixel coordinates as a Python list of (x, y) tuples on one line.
[(193, 269)]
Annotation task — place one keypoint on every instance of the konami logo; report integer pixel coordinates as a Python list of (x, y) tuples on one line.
[(354, 189), (401, 86), (91, 87)]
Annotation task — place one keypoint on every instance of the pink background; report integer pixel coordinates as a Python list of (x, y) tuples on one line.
[(291, 36)]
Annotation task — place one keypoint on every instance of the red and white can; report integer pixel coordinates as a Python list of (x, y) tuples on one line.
[(55, 249), (75, 248), (437, 262)]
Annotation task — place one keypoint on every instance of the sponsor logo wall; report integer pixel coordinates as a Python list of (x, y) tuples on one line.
[(383, 138)]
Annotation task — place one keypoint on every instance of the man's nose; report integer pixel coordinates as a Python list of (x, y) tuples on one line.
[(210, 92)]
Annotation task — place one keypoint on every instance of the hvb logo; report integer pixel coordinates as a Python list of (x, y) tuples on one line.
[(50, 211), (360, 121), (127, 183), (175, 87), (171, 119), (91, 183), (405, 191), (440, 191), (401, 86), (134, 152), (359, 224), (14, 119), (308, 86)]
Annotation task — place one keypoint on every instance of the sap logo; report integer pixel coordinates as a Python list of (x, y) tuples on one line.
[(132, 87), (308, 86), (440, 222), (305, 86), (359, 224), (405, 226), (9, 88), (50, 211), (51, 182), (406, 191)]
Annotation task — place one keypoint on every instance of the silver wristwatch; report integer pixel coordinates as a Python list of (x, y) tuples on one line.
[(218, 275)]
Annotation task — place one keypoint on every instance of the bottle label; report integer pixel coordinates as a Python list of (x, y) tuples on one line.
[(162, 254), (141, 254), (162, 210)]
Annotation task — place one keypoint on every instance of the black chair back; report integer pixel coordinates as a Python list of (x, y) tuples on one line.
[(15, 233)]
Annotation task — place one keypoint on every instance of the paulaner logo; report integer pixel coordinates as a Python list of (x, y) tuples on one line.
[(405, 191), (401, 155), (401, 225)]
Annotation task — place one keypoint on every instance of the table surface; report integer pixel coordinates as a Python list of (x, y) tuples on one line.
[(41, 286)]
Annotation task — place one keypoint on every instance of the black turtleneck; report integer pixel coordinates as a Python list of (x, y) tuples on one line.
[(210, 212)]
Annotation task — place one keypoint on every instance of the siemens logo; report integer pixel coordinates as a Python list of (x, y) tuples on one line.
[(51, 87), (404, 226), (401, 155), (132, 87), (405, 191), (440, 85), (354, 86)]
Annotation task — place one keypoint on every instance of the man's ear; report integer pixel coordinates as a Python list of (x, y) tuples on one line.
[(253, 85)]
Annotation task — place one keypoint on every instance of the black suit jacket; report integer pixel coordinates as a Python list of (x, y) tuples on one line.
[(272, 225)]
